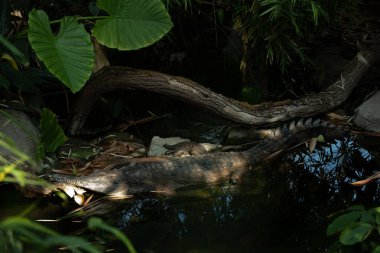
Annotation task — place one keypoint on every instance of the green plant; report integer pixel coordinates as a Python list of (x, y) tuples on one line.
[(356, 226), (19, 234), (274, 31), (131, 24), (96, 223), (14, 50), (52, 135), (68, 53), (10, 169), (185, 3)]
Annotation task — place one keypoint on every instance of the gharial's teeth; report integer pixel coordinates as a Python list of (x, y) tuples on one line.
[(277, 132), (308, 122), (324, 124), (317, 123), (299, 124), (292, 125)]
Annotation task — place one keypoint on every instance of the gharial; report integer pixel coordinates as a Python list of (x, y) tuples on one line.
[(168, 174)]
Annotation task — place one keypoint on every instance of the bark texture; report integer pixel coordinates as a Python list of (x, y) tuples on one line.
[(116, 78)]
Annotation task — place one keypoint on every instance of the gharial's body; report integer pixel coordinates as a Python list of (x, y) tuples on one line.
[(167, 174)]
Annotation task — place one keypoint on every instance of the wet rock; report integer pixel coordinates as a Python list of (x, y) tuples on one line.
[(368, 114), (18, 127)]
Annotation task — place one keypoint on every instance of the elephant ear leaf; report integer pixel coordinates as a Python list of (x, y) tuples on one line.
[(131, 24), (69, 55), (52, 135)]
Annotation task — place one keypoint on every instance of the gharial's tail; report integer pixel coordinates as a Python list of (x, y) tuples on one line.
[(296, 132)]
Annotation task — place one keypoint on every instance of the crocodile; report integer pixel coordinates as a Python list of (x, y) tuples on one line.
[(169, 174), (186, 148)]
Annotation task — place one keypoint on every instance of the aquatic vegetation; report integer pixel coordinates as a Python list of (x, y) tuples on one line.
[(356, 226)]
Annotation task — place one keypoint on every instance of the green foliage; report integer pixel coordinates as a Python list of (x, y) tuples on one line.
[(185, 3), (19, 234), (132, 24), (355, 233), (356, 225), (23, 78), (52, 135), (96, 223), (21, 126), (275, 34), (274, 29), (250, 94), (10, 170), (69, 55), (14, 50), (341, 222)]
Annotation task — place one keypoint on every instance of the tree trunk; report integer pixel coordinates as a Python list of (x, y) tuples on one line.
[(123, 78)]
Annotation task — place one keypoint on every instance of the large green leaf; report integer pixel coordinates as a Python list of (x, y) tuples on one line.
[(343, 221), (69, 55), (52, 135), (355, 208), (132, 24), (355, 233)]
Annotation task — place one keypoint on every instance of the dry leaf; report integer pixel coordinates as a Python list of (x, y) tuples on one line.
[(312, 144), (88, 200)]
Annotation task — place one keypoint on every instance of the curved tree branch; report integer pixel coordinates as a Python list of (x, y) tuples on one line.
[(115, 78)]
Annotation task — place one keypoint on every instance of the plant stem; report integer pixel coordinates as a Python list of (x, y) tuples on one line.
[(79, 18)]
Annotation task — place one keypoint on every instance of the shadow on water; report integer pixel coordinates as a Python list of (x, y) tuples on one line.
[(282, 207)]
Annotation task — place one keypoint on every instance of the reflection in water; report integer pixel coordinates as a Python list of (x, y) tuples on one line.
[(329, 159), (282, 207), (339, 164)]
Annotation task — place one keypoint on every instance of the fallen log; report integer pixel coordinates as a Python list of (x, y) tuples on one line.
[(114, 78)]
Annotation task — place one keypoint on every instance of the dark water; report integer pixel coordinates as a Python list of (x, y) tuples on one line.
[(281, 207)]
